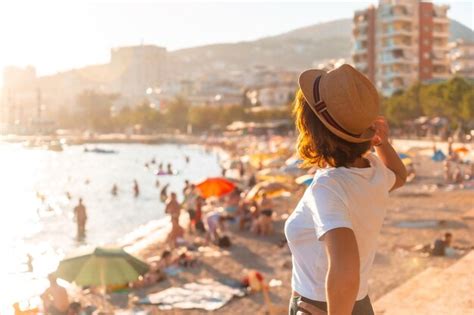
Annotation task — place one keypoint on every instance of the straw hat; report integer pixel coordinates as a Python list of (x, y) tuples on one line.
[(344, 100)]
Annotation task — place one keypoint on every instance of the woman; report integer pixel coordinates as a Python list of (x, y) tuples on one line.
[(333, 231)]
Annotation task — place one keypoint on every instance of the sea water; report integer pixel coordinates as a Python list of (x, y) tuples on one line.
[(39, 190)]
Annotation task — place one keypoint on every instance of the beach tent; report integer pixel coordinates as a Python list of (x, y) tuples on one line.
[(438, 156), (215, 187), (101, 267)]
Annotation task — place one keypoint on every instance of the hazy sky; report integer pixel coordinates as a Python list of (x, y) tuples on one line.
[(55, 36)]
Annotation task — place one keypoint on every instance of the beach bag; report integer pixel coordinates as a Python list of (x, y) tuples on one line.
[(224, 242)]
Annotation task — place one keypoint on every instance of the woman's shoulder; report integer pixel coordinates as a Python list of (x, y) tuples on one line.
[(327, 181), (328, 176)]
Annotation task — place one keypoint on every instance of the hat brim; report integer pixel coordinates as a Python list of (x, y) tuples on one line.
[(306, 83)]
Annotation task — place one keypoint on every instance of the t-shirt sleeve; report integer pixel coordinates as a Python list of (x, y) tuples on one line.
[(390, 178), (389, 175), (328, 210)]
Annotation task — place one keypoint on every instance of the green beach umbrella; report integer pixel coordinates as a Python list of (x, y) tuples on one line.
[(101, 267)]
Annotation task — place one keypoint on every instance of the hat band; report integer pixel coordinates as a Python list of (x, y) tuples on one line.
[(321, 108)]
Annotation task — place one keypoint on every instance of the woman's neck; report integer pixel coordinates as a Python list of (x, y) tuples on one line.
[(360, 162)]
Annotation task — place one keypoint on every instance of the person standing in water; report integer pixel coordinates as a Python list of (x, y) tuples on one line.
[(333, 231), (172, 206), (136, 188), (160, 170), (169, 169), (80, 215), (164, 193), (114, 190)]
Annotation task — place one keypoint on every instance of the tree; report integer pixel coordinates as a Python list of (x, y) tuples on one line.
[(95, 109), (176, 115), (450, 99), (467, 108)]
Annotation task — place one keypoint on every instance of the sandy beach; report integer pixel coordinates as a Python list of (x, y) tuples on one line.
[(418, 213)]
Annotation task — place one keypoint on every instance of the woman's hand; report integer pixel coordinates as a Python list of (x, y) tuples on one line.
[(308, 309), (386, 152), (382, 131)]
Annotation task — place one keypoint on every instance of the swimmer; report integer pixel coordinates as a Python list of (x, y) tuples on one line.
[(114, 190), (164, 193), (169, 169), (160, 169), (29, 262), (136, 188), (80, 215)]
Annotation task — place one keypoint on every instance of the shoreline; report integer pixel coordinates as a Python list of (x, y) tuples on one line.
[(162, 138)]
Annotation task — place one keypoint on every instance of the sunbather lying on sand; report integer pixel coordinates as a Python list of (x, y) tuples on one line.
[(153, 276), (440, 247)]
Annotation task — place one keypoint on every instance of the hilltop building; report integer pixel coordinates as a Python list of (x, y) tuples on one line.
[(131, 72), (461, 56), (401, 42)]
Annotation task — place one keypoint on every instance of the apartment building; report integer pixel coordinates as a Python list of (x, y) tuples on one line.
[(401, 42), (461, 55)]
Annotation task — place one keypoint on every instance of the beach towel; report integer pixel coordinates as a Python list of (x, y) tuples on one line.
[(172, 271), (206, 294)]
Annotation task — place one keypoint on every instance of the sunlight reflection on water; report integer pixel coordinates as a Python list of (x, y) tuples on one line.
[(45, 228)]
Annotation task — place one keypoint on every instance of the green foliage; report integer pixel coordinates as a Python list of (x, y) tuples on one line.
[(95, 113), (176, 114), (95, 108), (452, 99), (467, 107)]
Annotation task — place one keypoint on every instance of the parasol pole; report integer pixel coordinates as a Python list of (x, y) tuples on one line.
[(102, 280)]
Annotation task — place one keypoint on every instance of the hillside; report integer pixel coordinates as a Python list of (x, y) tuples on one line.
[(296, 49)]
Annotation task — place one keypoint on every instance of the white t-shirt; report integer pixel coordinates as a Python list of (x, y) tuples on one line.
[(354, 198)]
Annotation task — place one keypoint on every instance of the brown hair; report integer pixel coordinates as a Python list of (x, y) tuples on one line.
[(317, 146)]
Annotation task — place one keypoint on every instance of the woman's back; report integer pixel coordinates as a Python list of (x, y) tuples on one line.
[(354, 198)]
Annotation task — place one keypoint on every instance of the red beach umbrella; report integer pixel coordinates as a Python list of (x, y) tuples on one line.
[(215, 186)]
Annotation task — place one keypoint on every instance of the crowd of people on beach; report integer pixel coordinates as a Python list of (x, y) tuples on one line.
[(456, 171), (195, 221), (199, 221)]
